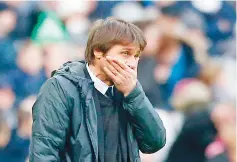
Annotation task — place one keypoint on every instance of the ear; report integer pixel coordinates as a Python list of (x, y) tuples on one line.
[(98, 54)]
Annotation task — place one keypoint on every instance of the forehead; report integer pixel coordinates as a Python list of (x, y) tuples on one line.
[(130, 47)]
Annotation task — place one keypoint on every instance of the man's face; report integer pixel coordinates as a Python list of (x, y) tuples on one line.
[(129, 55)]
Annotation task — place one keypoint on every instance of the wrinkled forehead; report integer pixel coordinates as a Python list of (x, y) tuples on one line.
[(131, 47)]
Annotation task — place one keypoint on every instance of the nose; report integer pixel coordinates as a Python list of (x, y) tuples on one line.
[(132, 63)]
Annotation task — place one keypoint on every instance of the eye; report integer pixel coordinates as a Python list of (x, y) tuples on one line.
[(137, 55), (125, 53)]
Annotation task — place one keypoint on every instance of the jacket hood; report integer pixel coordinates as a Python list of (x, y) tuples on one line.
[(75, 71)]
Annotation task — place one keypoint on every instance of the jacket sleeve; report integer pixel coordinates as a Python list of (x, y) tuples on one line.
[(148, 127), (50, 123)]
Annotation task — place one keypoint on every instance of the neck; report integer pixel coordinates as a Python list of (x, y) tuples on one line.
[(100, 74)]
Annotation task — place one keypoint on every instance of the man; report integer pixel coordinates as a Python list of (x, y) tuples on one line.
[(97, 111)]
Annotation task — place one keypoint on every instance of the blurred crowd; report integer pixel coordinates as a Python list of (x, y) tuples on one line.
[(187, 69)]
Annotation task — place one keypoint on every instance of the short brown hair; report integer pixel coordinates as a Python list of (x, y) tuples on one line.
[(106, 33)]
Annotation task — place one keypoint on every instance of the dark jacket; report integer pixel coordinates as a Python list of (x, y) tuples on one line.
[(65, 120)]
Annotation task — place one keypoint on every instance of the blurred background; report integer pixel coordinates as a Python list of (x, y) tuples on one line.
[(187, 69)]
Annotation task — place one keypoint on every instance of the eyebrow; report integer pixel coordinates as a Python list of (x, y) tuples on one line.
[(130, 49), (126, 48)]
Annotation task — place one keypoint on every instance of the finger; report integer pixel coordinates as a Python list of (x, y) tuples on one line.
[(112, 69), (119, 69), (123, 66), (123, 74), (112, 76), (109, 73), (120, 63)]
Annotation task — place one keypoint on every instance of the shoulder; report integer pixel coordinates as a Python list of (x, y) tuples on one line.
[(57, 89), (66, 85)]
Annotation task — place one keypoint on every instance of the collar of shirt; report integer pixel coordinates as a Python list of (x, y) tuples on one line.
[(99, 84)]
